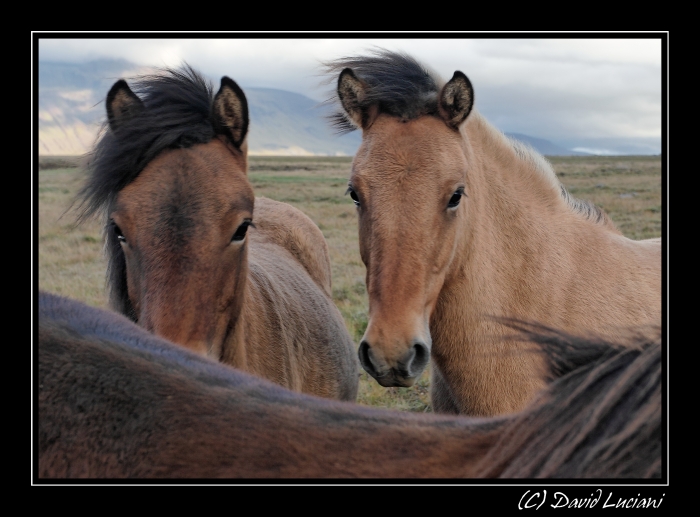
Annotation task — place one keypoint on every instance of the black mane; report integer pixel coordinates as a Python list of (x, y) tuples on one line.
[(396, 83), (177, 114)]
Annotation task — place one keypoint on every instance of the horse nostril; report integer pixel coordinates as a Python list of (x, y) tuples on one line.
[(421, 355), (365, 360)]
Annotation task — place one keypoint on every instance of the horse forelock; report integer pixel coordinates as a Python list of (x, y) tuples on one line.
[(394, 82), (177, 113)]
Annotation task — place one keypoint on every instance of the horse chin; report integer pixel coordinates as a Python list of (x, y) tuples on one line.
[(394, 379)]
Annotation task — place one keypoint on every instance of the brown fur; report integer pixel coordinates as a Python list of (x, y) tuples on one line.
[(259, 300), (117, 402), (513, 247)]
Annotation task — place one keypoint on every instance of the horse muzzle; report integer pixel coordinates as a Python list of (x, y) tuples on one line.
[(403, 372)]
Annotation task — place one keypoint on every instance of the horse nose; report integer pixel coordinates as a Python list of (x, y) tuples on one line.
[(417, 359), (406, 370), (369, 362)]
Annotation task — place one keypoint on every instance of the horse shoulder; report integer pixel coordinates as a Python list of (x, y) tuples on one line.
[(648, 268), (293, 230), (616, 284), (642, 260)]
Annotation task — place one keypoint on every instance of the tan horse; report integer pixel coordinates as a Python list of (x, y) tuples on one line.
[(458, 226), (115, 401), (194, 257)]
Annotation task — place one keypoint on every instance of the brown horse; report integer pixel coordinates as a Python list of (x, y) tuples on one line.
[(460, 226), (115, 401), (194, 257)]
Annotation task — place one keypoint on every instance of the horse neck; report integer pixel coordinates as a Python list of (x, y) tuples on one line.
[(512, 203), (525, 252), (259, 343), (509, 186)]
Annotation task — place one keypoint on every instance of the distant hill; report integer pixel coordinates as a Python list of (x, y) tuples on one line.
[(545, 146), (69, 94), (71, 109), (283, 122)]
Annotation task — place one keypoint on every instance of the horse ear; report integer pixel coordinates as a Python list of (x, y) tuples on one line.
[(456, 100), (231, 111), (122, 104), (351, 92)]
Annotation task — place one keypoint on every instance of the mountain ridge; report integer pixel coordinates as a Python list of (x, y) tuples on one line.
[(71, 111)]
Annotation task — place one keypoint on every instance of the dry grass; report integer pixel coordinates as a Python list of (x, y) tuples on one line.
[(627, 188), (71, 261)]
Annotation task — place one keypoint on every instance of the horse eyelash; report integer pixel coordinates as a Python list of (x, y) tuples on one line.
[(351, 190), (248, 223), (113, 227)]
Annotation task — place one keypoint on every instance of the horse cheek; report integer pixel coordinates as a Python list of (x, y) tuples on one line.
[(442, 260), (133, 283), (234, 278), (365, 242)]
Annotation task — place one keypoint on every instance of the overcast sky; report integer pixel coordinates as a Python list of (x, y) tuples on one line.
[(590, 86)]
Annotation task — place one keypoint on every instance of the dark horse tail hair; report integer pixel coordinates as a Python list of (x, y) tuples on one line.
[(601, 413)]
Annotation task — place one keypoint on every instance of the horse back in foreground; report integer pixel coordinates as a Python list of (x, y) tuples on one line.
[(115, 401)]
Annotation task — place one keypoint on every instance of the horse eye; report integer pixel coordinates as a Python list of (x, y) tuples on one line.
[(119, 234), (241, 231), (353, 196), (455, 199)]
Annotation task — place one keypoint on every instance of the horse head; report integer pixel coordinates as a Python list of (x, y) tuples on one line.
[(409, 183), (178, 229)]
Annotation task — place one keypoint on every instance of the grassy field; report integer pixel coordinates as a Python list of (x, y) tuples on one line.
[(71, 263)]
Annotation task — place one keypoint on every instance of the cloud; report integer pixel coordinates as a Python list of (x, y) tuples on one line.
[(588, 86)]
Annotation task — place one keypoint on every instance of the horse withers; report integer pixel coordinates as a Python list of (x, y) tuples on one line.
[(115, 401), (460, 226), (193, 256)]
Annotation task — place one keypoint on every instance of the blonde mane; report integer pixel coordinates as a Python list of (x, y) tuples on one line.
[(537, 163)]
